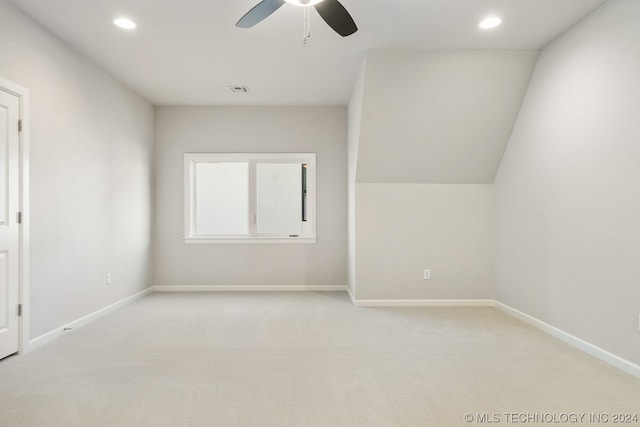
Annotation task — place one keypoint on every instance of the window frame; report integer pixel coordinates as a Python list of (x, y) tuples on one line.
[(192, 159)]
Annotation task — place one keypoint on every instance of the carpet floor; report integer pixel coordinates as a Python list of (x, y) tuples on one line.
[(308, 359)]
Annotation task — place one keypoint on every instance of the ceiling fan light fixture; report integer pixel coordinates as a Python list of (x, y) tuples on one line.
[(332, 12), (304, 3)]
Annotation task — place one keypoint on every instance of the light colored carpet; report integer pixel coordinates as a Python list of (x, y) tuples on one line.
[(305, 359)]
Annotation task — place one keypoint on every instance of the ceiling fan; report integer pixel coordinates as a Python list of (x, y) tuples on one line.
[(333, 13)]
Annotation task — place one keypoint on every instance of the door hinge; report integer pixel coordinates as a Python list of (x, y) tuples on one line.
[(19, 309), (19, 125), (19, 217)]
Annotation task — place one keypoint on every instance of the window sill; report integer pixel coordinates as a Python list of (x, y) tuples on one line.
[(249, 240)]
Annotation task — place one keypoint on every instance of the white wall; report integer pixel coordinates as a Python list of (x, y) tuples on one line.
[(427, 133), (91, 145), (322, 130), (354, 124), (406, 228), (568, 190)]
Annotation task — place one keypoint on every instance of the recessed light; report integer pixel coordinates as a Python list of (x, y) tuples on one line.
[(125, 23), (490, 22)]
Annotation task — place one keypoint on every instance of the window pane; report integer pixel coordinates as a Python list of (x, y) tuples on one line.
[(279, 198), (222, 199)]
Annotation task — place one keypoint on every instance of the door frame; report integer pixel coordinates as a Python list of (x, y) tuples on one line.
[(23, 252)]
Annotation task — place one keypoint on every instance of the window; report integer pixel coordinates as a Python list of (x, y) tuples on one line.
[(250, 198)]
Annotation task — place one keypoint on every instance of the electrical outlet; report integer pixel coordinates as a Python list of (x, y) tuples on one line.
[(427, 275), (108, 279)]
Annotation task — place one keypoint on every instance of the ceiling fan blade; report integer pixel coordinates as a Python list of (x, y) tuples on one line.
[(259, 12), (337, 17)]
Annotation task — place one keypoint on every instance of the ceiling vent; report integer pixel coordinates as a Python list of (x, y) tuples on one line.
[(239, 89)]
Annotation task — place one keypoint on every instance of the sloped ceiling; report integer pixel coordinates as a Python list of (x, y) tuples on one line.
[(439, 116)]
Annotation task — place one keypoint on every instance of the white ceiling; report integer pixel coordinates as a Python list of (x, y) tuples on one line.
[(187, 52), (450, 120)]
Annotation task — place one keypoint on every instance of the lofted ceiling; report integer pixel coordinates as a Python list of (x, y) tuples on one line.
[(188, 52), (450, 119)]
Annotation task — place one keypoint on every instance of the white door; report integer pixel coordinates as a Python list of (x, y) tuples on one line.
[(9, 227)]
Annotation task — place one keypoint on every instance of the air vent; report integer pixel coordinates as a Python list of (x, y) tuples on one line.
[(239, 89)]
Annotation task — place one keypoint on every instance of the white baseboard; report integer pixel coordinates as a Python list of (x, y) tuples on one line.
[(352, 296), (423, 302), (617, 361), (58, 332), (249, 288)]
